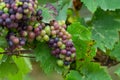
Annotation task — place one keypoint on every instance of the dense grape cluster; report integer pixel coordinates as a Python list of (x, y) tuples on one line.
[(13, 12), (61, 43), (23, 21)]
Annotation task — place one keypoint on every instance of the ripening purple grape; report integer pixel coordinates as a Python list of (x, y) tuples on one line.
[(15, 40), (20, 10), (1, 12), (22, 42), (68, 53), (39, 12), (10, 43), (31, 35), (11, 11), (25, 6), (66, 63), (1, 21), (7, 20)]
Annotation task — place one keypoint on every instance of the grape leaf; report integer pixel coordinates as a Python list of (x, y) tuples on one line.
[(3, 58), (62, 7), (24, 67), (47, 14), (63, 13), (2, 50), (81, 37), (105, 29), (104, 4), (8, 67), (47, 61), (115, 52), (74, 75), (118, 71), (3, 42), (89, 71)]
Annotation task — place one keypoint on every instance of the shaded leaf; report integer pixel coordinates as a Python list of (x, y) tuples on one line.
[(104, 4), (81, 37), (115, 53), (47, 61), (105, 29), (24, 67), (74, 75)]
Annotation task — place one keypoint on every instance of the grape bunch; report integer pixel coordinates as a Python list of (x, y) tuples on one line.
[(23, 21), (21, 18), (12, 12), (61, 43)]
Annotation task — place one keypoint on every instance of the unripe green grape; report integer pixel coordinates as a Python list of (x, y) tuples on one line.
[(2, 4), (26, 11), (5, 10), (60, 63), (43, 32), (73, 55), (19, 16), (36, 25), (47, 29), (59, 43), (38, 38), (61, 22), (1, 7), (62, 56), (63, 46), (67, 58), (46, 38), (67, 67)]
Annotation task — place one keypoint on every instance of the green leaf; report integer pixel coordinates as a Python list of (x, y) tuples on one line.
[(47, 61), (74, 75), (93, 71), (3, 58), (8, 67), (105, 29), (115, 52), (3, 42), (89, 71), (81, 37), (63, 13), (62, 8), (47, 15), (104, 4), (24, 67), (80, 31), (91, 5), (118, 71), (2, 50)]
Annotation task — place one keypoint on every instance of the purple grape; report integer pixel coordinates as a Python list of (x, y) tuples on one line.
[(68, 53), (8, 20), (1, 12), (66, 63), (1, 21)]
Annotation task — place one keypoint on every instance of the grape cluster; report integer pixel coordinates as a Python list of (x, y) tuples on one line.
[(12, 12), (61, 43), (23, 20)]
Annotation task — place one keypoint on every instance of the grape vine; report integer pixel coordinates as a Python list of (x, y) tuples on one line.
[(76, 38)]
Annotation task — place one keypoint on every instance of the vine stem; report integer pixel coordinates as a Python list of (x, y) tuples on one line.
[(18, 53)]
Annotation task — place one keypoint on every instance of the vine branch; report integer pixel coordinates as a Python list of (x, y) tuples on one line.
[(19, 52)]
